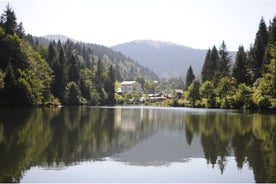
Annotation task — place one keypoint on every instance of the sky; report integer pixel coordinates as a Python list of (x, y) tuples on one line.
[(194, 23)]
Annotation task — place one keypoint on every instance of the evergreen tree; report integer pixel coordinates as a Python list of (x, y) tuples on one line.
[(52, 54), (205, 73), (20, 30), (272, 31), (210, 64), (265, 87), (263, 31), (109, 86), (223, 64), (256, 62), (11, 51), (87, 87), (214, 56), (189, 77), (60, 76), (8, 21), (271, 41), (73, 70), (251, 70), (239, 70), (28, 84)]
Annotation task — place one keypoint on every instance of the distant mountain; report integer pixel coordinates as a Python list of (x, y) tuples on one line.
[(128, 68), (57, 37), (164, 58)]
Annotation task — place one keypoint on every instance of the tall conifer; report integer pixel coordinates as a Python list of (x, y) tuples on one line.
[(223, 65), (189, 77), (256, 62), (239, 70), (8, 20)]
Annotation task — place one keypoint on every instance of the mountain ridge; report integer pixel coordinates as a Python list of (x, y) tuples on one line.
[(60, 37), (159, 43), (167, 59), (127, 66)]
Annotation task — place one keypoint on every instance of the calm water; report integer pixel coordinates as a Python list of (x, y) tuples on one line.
[(136, 144)]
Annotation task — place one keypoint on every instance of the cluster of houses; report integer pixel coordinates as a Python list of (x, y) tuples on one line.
[(134, 87)]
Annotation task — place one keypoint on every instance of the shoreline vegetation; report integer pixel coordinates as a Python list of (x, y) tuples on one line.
[(69, 73)]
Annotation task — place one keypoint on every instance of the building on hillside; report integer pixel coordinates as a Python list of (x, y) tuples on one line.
[(179, 93), (130, 87)]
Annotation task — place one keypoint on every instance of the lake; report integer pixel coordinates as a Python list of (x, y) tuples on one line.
[(136, 144)]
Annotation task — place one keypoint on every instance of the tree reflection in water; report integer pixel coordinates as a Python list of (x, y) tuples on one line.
[(69, 135)]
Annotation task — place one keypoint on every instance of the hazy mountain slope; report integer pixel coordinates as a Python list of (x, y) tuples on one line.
[(128, 67), (164, 58), (57, 37)]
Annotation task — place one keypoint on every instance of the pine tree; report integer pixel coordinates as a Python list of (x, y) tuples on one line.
[(271, 42), (239, 70), (11, 51), (263, 31), (20, 30), (64, 67), (223, 65), (272, 31), (210, 65), (52, 54), (205, 73), (60, 76), (8, 21), (267, 84), (189, 77), (256, 62), (73, 70)]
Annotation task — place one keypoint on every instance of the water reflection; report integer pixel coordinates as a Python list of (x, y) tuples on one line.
[(141, 136)]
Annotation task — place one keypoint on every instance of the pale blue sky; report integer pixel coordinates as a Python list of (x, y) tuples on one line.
[(193, 23)]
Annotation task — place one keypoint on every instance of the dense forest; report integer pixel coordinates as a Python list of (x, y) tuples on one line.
[(250, 82), (50, 72), (37, 71)]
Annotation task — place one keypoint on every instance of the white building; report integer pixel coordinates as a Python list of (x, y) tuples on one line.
[(130, 87)]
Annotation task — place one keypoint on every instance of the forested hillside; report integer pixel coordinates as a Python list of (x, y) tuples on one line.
[(71, 73), (129, 69), (249, 83), (41, 72)]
